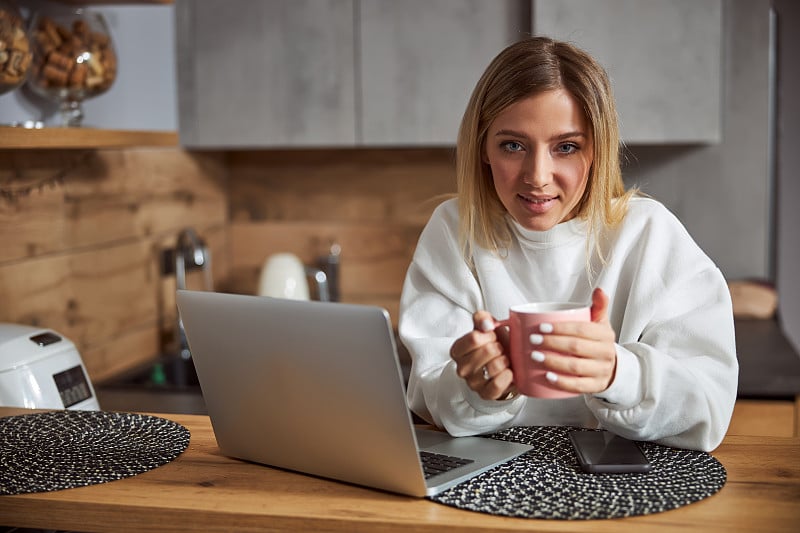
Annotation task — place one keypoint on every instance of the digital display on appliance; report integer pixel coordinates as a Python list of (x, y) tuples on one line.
[(72, 385)]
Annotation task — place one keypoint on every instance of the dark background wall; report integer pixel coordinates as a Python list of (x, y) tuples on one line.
[(787, 235)]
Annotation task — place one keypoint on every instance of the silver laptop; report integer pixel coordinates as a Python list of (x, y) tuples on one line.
[(317, 388)]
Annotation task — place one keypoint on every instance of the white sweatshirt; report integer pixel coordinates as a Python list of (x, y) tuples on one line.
[(670, 307)]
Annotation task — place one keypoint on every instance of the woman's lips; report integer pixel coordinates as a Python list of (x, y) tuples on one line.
[(537, 204)]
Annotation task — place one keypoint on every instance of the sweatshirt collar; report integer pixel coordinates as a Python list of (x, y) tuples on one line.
[(560, 233)]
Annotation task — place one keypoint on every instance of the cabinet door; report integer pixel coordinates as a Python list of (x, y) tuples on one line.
[(266, 73), (664, 60), (420, 60)]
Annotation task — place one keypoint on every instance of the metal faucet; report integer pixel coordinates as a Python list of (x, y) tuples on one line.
[(328, 274), (190, 252), (321, 280)]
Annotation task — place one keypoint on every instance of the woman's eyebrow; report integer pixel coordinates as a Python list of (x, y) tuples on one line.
[(560, 136), (512, 133), (569, 135)]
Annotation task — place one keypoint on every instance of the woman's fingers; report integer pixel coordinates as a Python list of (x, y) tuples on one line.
[(497, 387), (561, 332), (481, 360), (471, 363), (484, 321), (577, 384), (579, 356), (599, 309)]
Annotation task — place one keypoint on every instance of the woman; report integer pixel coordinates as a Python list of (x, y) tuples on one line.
[(542, 215)]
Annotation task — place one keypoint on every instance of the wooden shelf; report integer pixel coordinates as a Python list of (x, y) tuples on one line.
[(12, 138), (111, 2), (16, 138)]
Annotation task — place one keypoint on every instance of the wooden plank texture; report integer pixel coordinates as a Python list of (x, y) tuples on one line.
[(82, 231), (374, 257), (340, 185), (82, 234), (204, 490), (88, 198), (83, 138), (773, 418), (373, 203)]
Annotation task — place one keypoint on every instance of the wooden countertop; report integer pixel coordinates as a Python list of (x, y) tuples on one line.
[(203, 490)]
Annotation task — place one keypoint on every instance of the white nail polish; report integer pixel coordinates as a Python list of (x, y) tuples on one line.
[(537, 356), (486, 325), (536, 338), (552, 377), (546, 327)]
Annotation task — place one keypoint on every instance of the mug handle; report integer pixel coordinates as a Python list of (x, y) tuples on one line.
[(502, 323)]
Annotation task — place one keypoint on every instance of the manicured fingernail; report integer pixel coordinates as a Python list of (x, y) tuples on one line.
[(486, 325), (537, 356), (546, 327), (536, 338), (552, 377)]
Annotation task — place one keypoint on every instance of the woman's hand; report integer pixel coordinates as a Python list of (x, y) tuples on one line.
[(593, 361), (481, 359)]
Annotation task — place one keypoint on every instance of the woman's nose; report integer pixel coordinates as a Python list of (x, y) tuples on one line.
[(538, 170)]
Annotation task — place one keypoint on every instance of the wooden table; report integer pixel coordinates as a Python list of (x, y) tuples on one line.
[(203, 490)]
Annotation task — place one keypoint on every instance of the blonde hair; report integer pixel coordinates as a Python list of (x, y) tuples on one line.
[(524, 69)]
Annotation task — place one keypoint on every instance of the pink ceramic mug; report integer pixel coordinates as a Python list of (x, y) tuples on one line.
[(523, 320)]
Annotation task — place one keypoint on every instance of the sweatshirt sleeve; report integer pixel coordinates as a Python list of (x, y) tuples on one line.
[(440, 295), (677, 371)]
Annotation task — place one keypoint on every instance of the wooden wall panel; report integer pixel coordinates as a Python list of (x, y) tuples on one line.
[(373, 261), (130, 348), (62, 291), (340, 185), (88, 198), (373, 203), (81, 234)]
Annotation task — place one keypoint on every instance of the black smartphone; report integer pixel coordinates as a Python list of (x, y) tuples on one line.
[(602, 452)]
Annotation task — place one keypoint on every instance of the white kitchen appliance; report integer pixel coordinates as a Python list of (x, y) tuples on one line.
[(42, 369), (284, 276)]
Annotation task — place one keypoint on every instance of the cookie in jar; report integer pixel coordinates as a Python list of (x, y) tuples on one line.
[(15, 48)]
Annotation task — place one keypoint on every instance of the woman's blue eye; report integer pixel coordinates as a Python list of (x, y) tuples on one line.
[(567, 148), (511, 146)]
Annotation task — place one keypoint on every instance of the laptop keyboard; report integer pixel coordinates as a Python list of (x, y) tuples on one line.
[(434, 464)]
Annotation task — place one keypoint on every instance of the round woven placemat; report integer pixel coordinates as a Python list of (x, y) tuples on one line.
[(42, 452), (547, 481)]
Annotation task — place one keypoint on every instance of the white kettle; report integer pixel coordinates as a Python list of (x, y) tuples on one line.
[(284, 276)]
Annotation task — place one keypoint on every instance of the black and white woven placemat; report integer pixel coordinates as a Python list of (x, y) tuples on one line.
[(42, 452), (547, 482)]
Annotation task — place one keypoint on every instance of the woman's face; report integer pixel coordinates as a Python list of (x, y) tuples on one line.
[(540, 151)]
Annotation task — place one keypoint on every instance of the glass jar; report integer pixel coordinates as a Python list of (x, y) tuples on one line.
[(73, 59), (15, 48)]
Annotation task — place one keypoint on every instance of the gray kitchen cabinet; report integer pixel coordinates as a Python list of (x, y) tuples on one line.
[(420, 60), (267, 73), (664, 59), (275, 73)]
